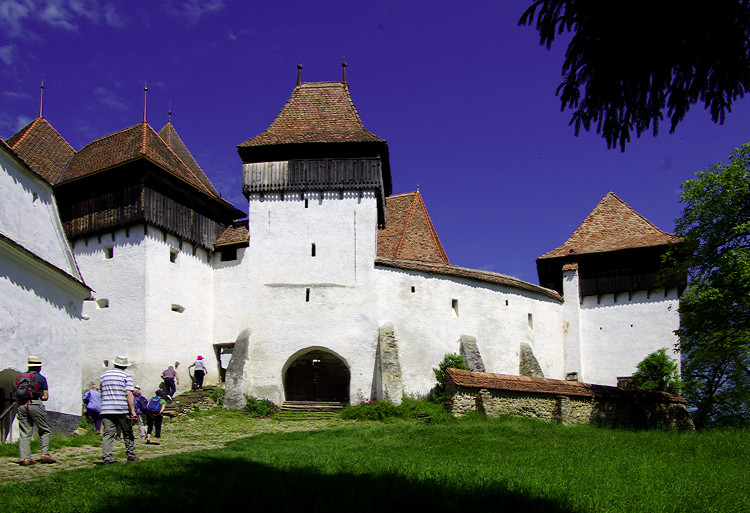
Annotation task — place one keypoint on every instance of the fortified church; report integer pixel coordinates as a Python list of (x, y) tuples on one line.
[(332, 288)]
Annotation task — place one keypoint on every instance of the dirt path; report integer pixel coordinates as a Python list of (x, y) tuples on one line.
[(178, 435)]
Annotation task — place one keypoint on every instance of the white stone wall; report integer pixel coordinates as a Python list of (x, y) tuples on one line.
[(420, 306), (618, 332), (141, 284), (266, 289), (40, 294)]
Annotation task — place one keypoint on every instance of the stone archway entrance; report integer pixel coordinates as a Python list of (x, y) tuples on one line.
[(317, 376)]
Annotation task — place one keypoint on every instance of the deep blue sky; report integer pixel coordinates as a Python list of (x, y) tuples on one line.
[(463, 95)]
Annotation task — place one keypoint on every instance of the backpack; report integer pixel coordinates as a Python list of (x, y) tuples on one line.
[(142, 403), (26, 387), (154, 405)]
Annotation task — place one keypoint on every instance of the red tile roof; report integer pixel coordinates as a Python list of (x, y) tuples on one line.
[(612, 226), (528, 384), (473, 274), (409, 233), (317, 112), (236, 233), (42, 148), (137, 142), (170, 136)]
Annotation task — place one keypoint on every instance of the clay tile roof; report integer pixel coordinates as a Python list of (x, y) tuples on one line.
[(409, 233), (236, 233), (317, 112), (170, 136), (473, 274), (138, 141), (612, 226), (527, 384), (42, 148)]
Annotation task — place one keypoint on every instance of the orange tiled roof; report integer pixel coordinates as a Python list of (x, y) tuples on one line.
[(42, 148), (462, 272), (612, 226), (528, 384), (170, 136), (138, 141), (236, 233), (317, 112), (409, 233)]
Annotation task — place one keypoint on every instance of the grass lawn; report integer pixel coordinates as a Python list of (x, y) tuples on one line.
[(471, 464)]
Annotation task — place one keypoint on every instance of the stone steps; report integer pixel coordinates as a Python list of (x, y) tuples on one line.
[(312, 406), (187, 401)]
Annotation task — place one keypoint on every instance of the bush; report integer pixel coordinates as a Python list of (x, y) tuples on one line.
[(259, 407), (450, 361), (217, 396), (658, 372), (370, 409), (410, 408)]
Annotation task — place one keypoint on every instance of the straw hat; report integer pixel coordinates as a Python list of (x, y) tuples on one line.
[(34, 361), (121, 361)]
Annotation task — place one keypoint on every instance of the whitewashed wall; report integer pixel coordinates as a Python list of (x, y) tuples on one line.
[(40, 288), (617, 334), (426, 327), (266, 288), (141, 283)]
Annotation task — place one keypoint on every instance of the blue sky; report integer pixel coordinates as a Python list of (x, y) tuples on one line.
[(463, 95)]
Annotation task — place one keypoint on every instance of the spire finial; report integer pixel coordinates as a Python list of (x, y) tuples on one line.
[(417, 187), (343, 65), (145, 90), (41, 98), (169, 113), (299, 74)]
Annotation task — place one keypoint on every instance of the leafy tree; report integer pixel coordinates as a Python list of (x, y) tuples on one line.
[(715, 309), (629, 63), (450, 361), (658, 372)]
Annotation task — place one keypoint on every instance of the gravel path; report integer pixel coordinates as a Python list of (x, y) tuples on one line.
[(183, 434)]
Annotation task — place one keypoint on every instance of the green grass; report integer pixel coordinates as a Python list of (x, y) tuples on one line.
[(474, 464), (56, 441)]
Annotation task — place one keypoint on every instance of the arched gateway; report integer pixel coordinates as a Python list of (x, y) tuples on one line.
[(317, 375)]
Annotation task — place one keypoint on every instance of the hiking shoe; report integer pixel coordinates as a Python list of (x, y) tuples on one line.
[(133, 458), (47, 459), (26, 463)]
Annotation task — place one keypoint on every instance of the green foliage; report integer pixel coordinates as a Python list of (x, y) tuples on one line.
[(217, 396), (450, 361), (624, 72), (259, 407), (715, 309), (659, 372), (410, 408)]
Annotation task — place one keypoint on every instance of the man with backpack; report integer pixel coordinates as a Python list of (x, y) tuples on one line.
[(118, 409), (31, 390)]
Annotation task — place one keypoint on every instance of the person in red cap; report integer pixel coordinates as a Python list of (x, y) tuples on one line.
[(199, 372)]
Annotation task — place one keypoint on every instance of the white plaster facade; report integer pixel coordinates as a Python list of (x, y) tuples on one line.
[(41, 290)]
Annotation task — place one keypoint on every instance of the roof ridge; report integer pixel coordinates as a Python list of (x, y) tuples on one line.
[(26, 130), (435, 237), (210, 193)]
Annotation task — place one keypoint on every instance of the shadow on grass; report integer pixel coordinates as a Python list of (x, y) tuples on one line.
[(209, 480)]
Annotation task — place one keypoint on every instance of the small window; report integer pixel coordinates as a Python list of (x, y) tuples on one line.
[(307, 295), (228, 254), (413, 289), (178, 308), (531, 322), (305, 202), (102, 303), (454, 308), (506, 302), (109, 252), (312, 249), (173, 255)]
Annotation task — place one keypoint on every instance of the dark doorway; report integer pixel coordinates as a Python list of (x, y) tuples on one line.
[(317, 376)]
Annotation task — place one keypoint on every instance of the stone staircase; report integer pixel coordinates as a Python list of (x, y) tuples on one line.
[(308, 410), (191, 401)]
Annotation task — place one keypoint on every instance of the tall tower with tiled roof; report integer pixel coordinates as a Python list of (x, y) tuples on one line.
[(617, 308)]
